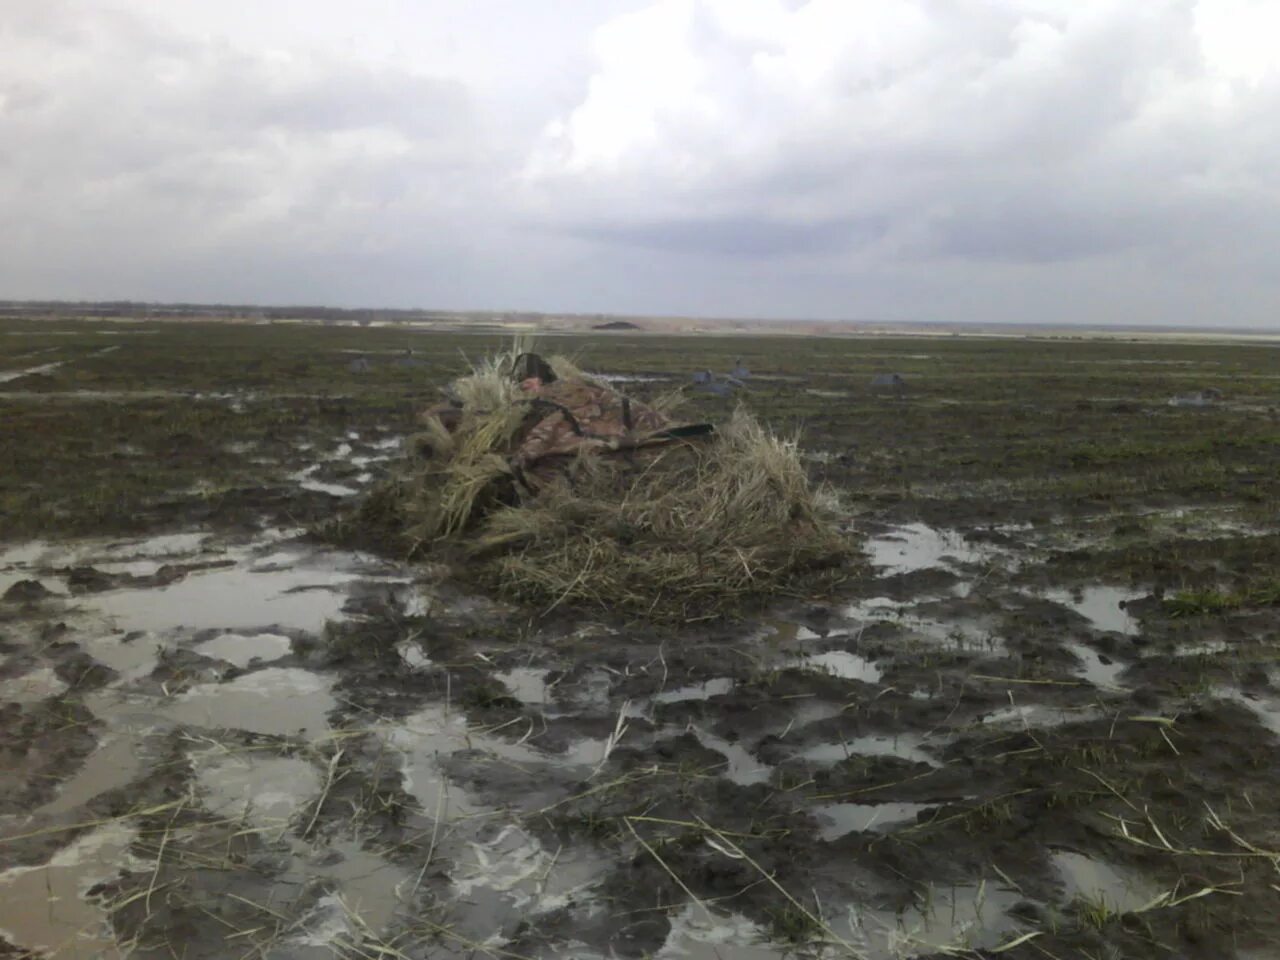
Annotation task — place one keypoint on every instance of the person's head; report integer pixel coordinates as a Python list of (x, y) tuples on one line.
[(530, 366)]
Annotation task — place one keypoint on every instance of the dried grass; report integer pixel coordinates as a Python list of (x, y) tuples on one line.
[(684, 531), (694, 532)]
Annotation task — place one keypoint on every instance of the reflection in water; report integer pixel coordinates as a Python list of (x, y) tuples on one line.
[(839, 819), (1102, 606), (45, 907), (908, 746), (277, 700), (1097, 882), (917, 546)]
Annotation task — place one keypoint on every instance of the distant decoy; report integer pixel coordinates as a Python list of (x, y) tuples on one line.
[(704, 381), (893, 381)]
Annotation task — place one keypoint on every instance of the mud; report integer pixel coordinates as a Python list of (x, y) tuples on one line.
[(49, 908), (7, 376), (1047, 723)]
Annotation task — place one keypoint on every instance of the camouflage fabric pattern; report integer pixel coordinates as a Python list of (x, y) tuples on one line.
[(569, 416), (577, 415)]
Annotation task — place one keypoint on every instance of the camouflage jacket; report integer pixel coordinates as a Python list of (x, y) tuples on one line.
[(570, 415)]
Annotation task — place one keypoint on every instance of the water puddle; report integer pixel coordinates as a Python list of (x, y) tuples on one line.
[(242, 649), (1099, 883), (841, 663), (7, 376), (21, 562), (132, 568), (422, 739), (23, 554), (908, 746), (269, 702), (277, 700), (325, 928), (303, 596), (784, 633), (961, 634), (308, 482), (1038, 715), (46, 907), (588, 752), (698, 934), (130, 658), (166, 546), (839, 819), (119, 757), (740, 766), (499, 868), (517, 865), (363, 894), (717, 687), (1206, 648), (114, 764), (876, 608), (527, 684), (810, 710), (949, 920), (1092, 668), (370, 889), (1102, 606), (414, 657), (40, 684), (917, 546), (126, 555), (263, 790)]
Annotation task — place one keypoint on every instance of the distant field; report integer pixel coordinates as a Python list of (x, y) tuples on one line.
[(1048, 723), (107, 439)]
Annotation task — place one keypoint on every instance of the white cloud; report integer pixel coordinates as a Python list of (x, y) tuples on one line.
[(989, 129), (1238, 38)]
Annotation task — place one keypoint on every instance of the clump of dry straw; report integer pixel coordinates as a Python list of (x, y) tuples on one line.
[(684, 531)]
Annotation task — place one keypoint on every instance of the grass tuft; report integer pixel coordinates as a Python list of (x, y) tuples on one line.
[(681, 531)]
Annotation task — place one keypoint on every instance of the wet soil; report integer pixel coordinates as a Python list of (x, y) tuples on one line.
[(1043, 724)]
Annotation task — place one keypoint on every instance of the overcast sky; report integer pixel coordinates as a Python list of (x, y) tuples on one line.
[(1098, 161)]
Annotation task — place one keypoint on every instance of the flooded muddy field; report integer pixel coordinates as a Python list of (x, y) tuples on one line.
[(1044, 722)]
